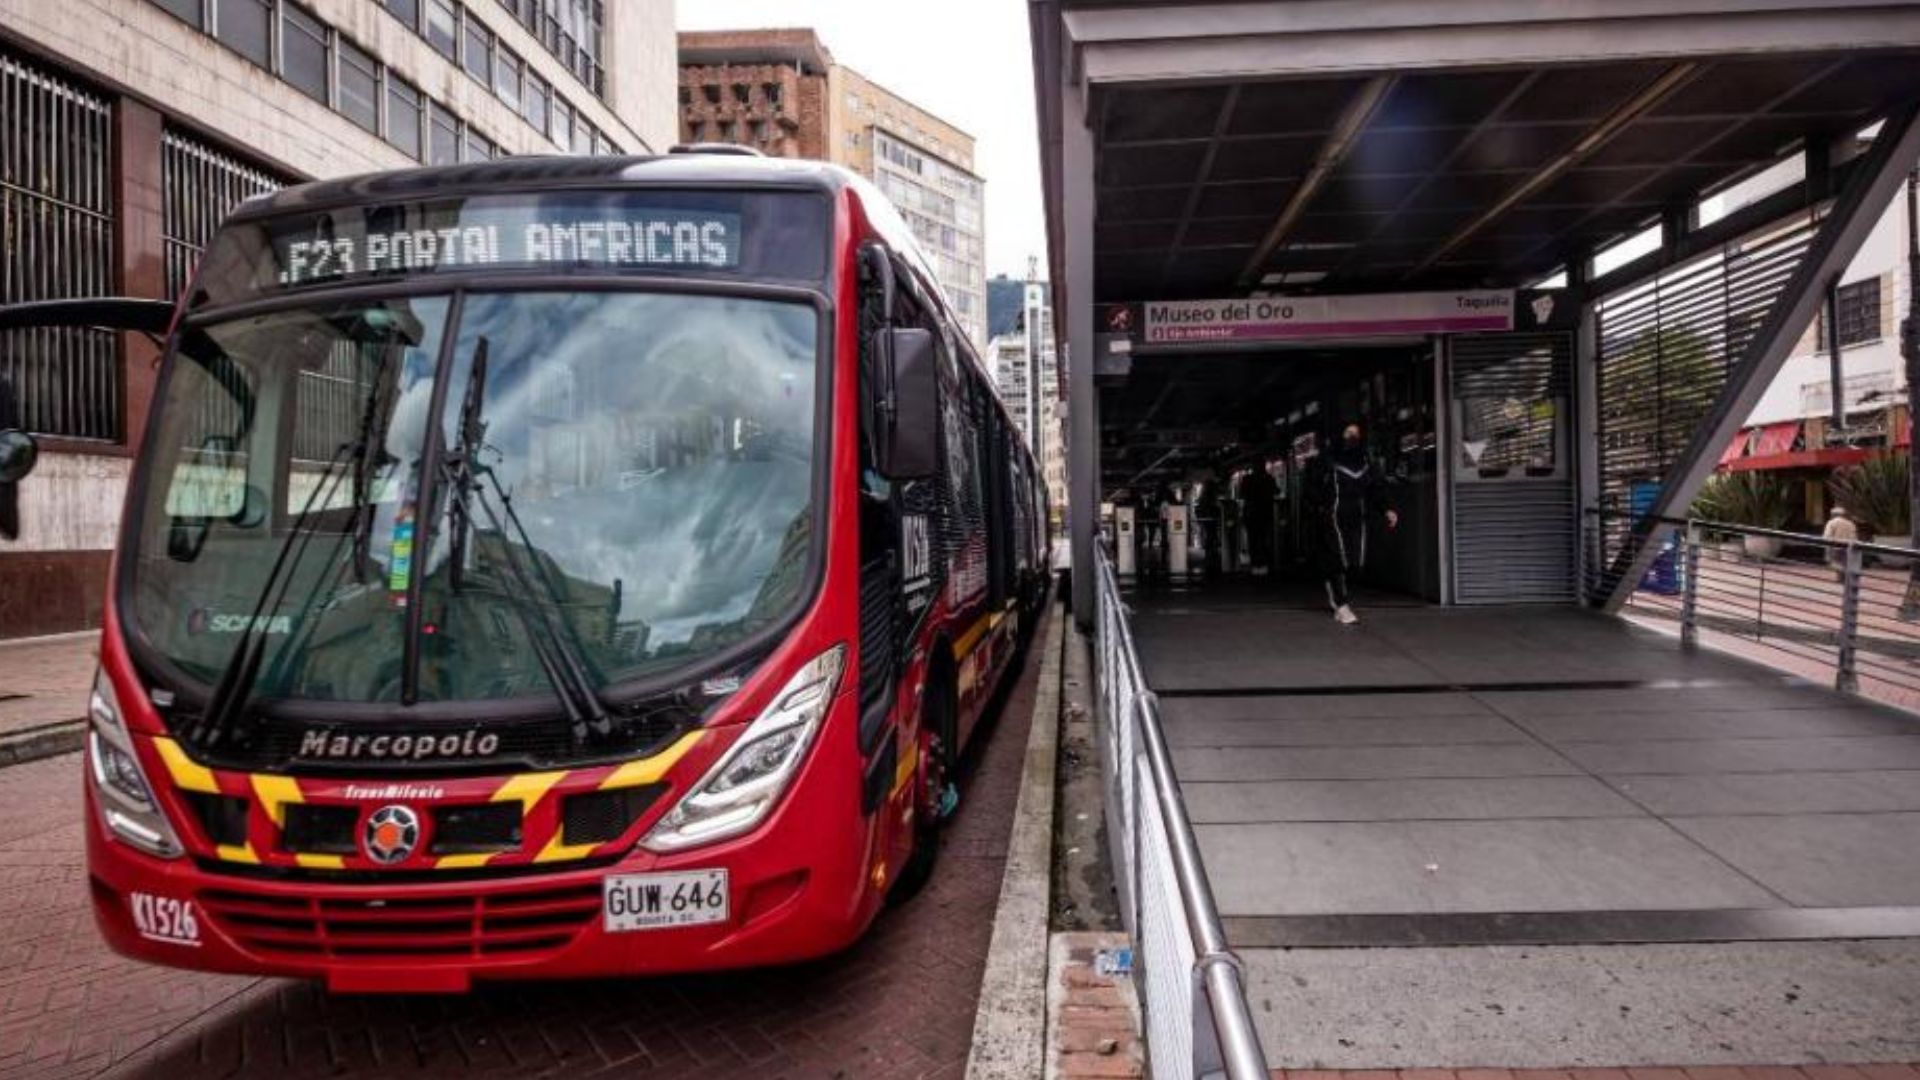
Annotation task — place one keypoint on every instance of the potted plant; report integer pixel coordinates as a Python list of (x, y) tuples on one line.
[(1755, 499), (1877, 497)]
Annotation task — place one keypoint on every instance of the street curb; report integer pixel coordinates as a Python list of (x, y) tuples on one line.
[(43, 741), (1010, 1023)]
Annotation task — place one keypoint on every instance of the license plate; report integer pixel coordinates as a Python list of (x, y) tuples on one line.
[(659, 901)]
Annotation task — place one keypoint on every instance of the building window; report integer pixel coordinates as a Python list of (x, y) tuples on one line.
[(1858, 306), (697, 131), (757, 130), (442, 27), (359, 87), (403, 116), (407, 11), (726, 131), (59, 225), (686, 95), (772, 92), (478, 146), (562, 125), (534, 107), (506, 77), (246, 27), (742, 94), (303, 52), (479, 51), (443, 135), (193, 12)]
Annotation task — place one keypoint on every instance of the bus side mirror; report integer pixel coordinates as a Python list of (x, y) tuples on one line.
[(911, 404), (18, 453)]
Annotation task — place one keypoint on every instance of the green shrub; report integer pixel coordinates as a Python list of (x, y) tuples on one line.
[(1876, 494), (1757, 499)]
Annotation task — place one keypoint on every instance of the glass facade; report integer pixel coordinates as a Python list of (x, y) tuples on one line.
[(944, 205)]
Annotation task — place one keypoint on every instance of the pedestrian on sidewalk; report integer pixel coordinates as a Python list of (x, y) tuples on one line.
[(1840, 530), (1344, 491)]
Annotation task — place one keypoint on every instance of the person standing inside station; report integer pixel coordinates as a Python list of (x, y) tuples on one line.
[(1344, 490), (1257, 495)]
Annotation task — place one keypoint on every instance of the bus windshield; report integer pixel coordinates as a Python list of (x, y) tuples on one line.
[(626, 477)]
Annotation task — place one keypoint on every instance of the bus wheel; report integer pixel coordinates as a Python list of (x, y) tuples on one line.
[(936, 779)]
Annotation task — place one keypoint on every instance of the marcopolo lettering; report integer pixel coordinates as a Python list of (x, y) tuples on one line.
[(332, 745)]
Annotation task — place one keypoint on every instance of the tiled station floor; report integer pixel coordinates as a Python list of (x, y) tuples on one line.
[(1539, 837)]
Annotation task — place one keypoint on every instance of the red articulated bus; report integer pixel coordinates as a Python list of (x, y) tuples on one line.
[(548, 568)]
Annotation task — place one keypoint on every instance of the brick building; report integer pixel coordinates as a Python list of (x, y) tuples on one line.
[(782, 93), (134, 125)]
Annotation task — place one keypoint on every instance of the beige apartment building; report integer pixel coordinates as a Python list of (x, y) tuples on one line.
[(782, 93)]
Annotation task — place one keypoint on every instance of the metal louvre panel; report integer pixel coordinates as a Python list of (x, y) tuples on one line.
[(200, 186), (1513, 542), (1513, 537), (1666, 349), (56, 242)]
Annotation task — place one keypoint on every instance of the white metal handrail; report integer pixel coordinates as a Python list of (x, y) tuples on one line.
[(1187, 972), (1845, 610)]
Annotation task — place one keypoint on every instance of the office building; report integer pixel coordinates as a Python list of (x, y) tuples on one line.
[(782, 93)]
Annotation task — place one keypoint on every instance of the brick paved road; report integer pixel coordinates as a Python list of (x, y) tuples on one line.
[(899, 1004)]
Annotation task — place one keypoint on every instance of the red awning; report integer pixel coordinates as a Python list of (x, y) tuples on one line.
[(1830, 458), (1775, 438), (1737, 447)]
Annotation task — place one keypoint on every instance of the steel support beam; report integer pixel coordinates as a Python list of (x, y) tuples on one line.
[(1169, 42), (1083, 399), (1597, 137), (1868, 191), (1339, 143)]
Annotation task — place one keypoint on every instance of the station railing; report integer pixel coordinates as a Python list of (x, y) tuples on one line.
[(1192, 995), (1844, 613)]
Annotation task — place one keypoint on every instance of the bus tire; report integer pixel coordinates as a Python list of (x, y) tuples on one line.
[(941, 722)]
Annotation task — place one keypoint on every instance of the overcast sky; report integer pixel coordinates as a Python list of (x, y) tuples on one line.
[(966, 62)]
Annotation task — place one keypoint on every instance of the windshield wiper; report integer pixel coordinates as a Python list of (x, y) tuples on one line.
[(242, 672), (243, 667), (559, 658)]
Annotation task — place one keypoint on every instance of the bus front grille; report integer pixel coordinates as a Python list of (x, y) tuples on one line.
[(388, 928)]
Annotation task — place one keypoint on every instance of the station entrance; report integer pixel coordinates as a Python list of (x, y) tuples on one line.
[(1215, 468), (1548, 258)]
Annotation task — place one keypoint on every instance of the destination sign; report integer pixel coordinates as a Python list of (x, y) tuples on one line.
[(332, 250), (758, 235)]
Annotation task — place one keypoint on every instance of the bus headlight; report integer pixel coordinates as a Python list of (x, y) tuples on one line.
[(126, 799), (742, 787)]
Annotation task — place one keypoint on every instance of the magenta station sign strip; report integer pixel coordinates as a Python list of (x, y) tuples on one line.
[(1293, 318)]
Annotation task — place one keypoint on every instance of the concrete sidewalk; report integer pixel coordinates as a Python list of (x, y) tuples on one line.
[(43, 694)]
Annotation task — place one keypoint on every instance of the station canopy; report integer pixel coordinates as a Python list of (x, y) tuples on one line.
[(1337, 146)]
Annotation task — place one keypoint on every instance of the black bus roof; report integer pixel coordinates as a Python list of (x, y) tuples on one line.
[(551, 172)]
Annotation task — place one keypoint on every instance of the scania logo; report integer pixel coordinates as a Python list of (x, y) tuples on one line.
[(391, 834)]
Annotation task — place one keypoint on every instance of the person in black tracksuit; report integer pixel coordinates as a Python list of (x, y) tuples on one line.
[(1345, 490)]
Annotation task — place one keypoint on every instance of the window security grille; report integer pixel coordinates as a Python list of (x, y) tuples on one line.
[(56, 241)]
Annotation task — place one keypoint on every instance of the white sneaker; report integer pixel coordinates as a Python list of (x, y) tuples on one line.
[(1345, 616)]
